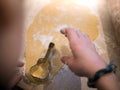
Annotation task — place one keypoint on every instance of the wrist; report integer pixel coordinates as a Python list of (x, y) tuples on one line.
[(95, 68), (103, 78), (108, 82), (101, 73)]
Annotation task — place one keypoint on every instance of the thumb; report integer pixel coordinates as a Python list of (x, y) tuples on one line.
[(14, 80), (20, 64), (67, 60)]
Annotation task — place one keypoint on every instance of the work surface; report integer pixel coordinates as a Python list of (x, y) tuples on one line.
[(44, 19)]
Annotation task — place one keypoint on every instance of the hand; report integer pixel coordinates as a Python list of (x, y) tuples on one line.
[(11, 42), (10, 75), (85, 61), (16, 76)]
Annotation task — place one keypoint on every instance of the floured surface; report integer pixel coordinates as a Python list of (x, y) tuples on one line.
[(46, 23)]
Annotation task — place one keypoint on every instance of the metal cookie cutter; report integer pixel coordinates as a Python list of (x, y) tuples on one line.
[(40, 72)]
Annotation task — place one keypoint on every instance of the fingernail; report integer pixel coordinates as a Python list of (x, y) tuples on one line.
[(63, 32), (62, 58)]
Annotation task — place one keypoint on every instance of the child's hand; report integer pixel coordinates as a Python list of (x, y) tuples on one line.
[(86, 60), (11, 41)]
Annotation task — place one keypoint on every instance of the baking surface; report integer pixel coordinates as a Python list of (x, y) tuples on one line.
[(45, 18), (46, 26)]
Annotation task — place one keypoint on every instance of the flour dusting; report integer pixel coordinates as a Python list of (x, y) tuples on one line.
[(62, 9), (44, 39), (59, 27)]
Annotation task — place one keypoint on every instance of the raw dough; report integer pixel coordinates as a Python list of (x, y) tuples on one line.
[(47, 24)]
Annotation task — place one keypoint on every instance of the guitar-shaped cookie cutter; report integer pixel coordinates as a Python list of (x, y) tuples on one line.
[(43, 66)]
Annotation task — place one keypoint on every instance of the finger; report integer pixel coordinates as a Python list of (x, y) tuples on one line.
[(82, 34), (63, 31), (14, 80), (79, 33), (20, 63), (71, 34), (67, 60), (85, 35)]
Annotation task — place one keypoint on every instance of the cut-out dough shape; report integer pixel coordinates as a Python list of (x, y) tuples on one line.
[(47, 24)]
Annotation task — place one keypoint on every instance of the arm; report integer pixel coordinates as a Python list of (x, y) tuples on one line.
[(108, 82), (11, 40), (86, 61)]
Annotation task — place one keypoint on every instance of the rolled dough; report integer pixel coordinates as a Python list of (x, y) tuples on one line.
[(47, 24)]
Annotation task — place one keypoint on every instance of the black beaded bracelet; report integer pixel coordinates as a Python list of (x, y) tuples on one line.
[(110, 68)]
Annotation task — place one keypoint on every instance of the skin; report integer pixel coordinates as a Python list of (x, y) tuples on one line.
[(86, 61), (11, 40)]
